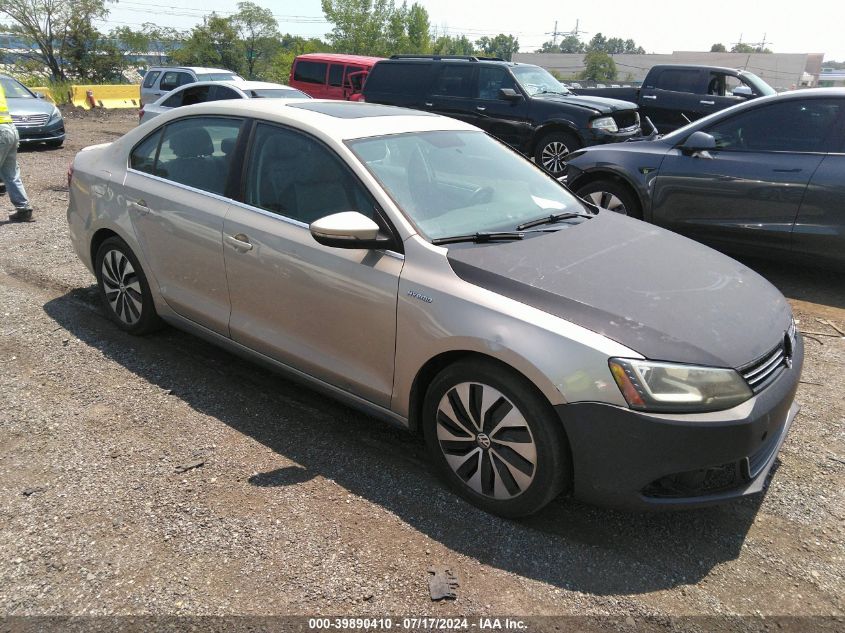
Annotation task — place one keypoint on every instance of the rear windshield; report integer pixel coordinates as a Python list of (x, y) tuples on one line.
[(218, 77), (14, 90), (277, 93), (398, 78)]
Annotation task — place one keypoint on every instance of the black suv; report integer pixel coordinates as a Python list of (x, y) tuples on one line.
[(521, 104)]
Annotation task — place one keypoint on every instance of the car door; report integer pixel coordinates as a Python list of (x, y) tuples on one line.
[(334, 87), (720, 87), (451, 92), (820, 226), (175, 194), (507, 120), (328, 312), (747, 192), (172, 79), (673, 99)]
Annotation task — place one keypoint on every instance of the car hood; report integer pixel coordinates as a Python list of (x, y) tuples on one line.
[(25, 107), (654, 291), (600, 104)]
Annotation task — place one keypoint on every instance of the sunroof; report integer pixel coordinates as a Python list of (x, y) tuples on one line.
[(356, 110)]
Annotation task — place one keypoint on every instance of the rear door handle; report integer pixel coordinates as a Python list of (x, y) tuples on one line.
[(788, 171), (239, 242), (649, 96), (429, 104), (140, 206), (480, 108), (708, 102)]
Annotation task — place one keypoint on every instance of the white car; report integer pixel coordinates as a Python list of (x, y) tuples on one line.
[(204, 91)]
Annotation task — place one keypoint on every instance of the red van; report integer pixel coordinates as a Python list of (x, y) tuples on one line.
[(330, 76)]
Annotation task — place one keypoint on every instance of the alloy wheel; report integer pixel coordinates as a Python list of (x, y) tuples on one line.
[(607, 200), (122, 287), (553, 156), (486, 440)]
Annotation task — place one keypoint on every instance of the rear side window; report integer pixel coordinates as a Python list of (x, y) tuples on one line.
[(150, 78), (398, 78), (336, 75), (221, 93), (174, 101), (454, 81), (197, 152), (173, 79), (678, 80), (310, 72), (143, 156)]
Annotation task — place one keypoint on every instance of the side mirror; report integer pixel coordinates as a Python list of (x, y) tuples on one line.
[(509, 94), (698, 142), (742, 91), (349, 229), (39, 95)]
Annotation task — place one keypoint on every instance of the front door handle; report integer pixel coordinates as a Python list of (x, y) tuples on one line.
[(239, 242), (480, 108), (429, 104), (649, 96), (708, 102), (788, 171), (140, 206)]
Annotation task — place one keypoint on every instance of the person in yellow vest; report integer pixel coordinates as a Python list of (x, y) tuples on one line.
[(10, 173)]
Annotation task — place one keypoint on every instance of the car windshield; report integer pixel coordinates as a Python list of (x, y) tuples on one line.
[(218, 77), (277, 93), (14, 90), (457, 182), (535, 80), (760, 87)]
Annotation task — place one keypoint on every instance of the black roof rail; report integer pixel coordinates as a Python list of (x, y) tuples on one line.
[(470, 58)]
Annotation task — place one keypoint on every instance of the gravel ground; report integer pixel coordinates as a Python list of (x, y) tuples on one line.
[(302, 506)]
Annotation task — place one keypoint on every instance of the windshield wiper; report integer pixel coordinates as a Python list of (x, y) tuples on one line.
[(551, 219), (480, 238)]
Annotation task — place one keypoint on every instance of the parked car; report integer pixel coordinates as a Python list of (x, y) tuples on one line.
[(412, 266), (204, 91), (520, 104), (330, 75), (37, 120), (159, 80), (673, 95), (766, 177)]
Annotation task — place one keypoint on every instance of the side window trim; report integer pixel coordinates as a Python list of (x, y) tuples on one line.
[(385, 222)]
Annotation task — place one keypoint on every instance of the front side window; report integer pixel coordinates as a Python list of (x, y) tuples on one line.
[(454, 81), (197, 152), (491, 80), (336, 75), (310, 72), (150, 78), (295, 176), (459, 182), (790, 126)]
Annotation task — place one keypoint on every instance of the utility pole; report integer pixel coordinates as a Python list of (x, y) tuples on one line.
[(554, 34), (576, 31)]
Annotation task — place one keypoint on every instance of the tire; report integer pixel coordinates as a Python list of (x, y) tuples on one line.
[(475, 462), (124, 288), (552, 149), (611, 195)]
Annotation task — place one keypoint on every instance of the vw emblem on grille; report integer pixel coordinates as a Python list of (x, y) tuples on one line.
[(787, 350)]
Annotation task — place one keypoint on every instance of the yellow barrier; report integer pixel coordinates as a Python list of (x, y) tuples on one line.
[(121, 96), (45, 91)]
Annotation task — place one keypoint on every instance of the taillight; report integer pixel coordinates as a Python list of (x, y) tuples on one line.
[(69, 174)]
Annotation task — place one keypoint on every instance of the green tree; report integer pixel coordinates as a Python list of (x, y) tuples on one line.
[(258, 31), (569, 44), (215, 42), (291, 46), (742, 47), (502, 45), (718, 48), (163, 39), (419, 29), (52, 25), (360, 26), (598, 44), (599, 66), (396, 31), (452, 45)]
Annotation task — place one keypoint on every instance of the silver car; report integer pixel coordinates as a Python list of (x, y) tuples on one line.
[(415, 268), (205, 91)]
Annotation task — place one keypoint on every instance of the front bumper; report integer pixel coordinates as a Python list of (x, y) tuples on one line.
[(43, 134), (636, 460), (591, 136)]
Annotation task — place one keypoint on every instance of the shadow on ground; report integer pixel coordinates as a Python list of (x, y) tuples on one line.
[(569, 545), (817, 285)]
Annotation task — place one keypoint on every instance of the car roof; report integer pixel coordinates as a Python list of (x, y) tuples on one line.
[(337, 120), (237, 83), (338, 57), (196, 69)]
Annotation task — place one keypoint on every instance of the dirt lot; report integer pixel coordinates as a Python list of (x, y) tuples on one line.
[(302, 506)]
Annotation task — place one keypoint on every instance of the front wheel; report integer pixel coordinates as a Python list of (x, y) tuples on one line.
[(124, 288), (494, 439), (610, 195), (552, 150)]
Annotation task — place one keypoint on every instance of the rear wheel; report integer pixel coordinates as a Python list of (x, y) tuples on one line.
[(552, 150), (613, 196), (124, 288), (494, 439)]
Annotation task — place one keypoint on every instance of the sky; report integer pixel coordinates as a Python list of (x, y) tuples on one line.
[(812, 26)]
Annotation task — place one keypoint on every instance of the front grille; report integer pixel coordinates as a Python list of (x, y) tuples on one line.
[(763, 371), (30, 120), (626, 120)]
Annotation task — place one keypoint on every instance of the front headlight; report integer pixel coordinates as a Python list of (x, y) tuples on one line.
[(55, 115), (605, 123), (670, 387)]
